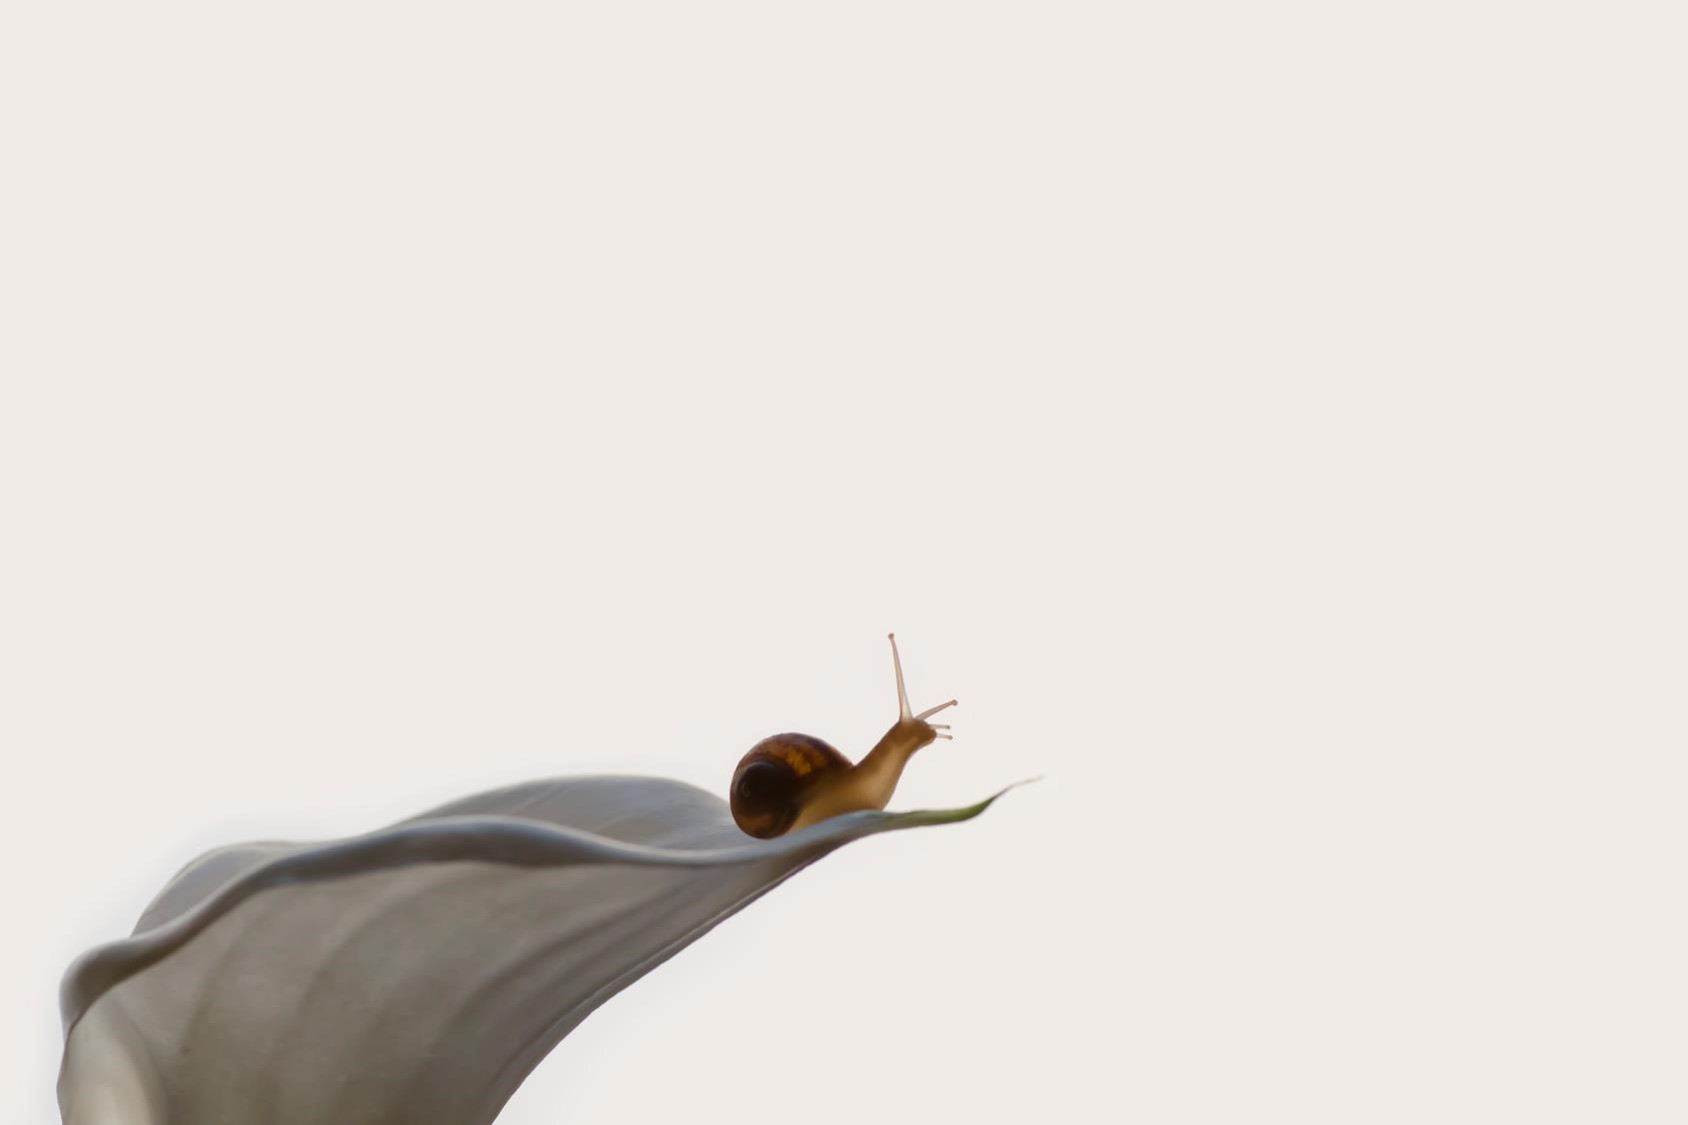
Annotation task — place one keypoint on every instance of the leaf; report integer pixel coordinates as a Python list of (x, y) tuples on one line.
[(415, 974)]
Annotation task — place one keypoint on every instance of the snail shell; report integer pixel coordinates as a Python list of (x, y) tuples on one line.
[(773, 778)]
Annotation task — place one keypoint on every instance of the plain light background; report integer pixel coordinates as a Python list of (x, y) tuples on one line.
[(1268, 420)]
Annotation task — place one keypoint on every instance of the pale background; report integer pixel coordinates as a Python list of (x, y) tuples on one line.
[(1268, 420)]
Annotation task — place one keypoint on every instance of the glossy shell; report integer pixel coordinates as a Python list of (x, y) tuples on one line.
[(770, 781)]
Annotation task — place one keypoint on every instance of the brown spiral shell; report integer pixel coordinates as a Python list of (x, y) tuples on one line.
[(770, 782)]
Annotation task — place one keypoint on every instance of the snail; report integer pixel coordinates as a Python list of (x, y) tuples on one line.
[(790, 781)]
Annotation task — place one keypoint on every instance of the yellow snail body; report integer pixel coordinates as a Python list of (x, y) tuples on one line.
[(790, 781)]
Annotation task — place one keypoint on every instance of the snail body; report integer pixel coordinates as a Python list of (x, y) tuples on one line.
[(790, 781)]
